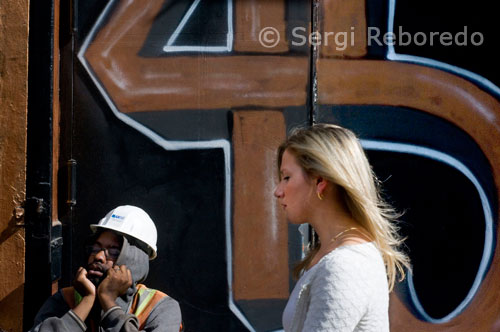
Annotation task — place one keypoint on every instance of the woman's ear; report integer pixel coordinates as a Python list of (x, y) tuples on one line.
[(321, 184)]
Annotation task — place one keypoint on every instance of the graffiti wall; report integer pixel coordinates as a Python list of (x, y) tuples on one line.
[(178, 107)]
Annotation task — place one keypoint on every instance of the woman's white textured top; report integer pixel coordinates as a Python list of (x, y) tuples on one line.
[(346, 290)]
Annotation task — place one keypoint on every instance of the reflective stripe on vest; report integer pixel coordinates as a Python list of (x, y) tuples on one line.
[(144, 301)]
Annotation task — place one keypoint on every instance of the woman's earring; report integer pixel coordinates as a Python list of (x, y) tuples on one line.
[(319, 195)]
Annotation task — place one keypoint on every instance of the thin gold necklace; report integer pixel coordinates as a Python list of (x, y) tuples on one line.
[(339, 234)]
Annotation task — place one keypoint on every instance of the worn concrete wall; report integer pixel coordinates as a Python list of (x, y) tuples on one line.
[(13, 112)]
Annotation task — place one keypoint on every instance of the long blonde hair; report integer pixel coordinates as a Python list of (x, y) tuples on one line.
[(335, 154)]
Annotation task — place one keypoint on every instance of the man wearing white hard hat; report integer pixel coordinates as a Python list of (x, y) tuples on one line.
[(108, 294)]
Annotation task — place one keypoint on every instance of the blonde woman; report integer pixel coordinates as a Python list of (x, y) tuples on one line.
[(345, 280)]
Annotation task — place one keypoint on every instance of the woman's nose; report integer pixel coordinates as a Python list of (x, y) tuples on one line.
[(278, 192)]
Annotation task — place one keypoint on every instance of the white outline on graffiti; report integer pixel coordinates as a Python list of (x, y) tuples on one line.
[(488, 219), (169, 47), (392, 55)]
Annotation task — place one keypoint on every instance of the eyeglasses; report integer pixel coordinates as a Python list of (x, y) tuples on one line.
[(110, 253)]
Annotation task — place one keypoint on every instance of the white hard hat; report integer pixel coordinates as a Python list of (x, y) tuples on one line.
[(132, 221)]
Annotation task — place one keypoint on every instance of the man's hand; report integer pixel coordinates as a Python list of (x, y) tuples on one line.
[(116, 283), (83, 285), (87, 290)]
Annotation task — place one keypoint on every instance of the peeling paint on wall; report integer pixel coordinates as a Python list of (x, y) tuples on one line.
[(13, 103)]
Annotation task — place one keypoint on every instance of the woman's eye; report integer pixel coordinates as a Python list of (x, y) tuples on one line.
[(286, 178)]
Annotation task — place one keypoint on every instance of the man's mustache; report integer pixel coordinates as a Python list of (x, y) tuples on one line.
[(98, 267), (96, 280)]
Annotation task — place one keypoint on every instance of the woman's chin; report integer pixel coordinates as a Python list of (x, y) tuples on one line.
[(294, 221)]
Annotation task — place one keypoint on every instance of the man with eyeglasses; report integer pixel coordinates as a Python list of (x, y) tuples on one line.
[(108, 295)]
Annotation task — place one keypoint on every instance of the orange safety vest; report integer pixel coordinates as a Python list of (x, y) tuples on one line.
[(145, 299)]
